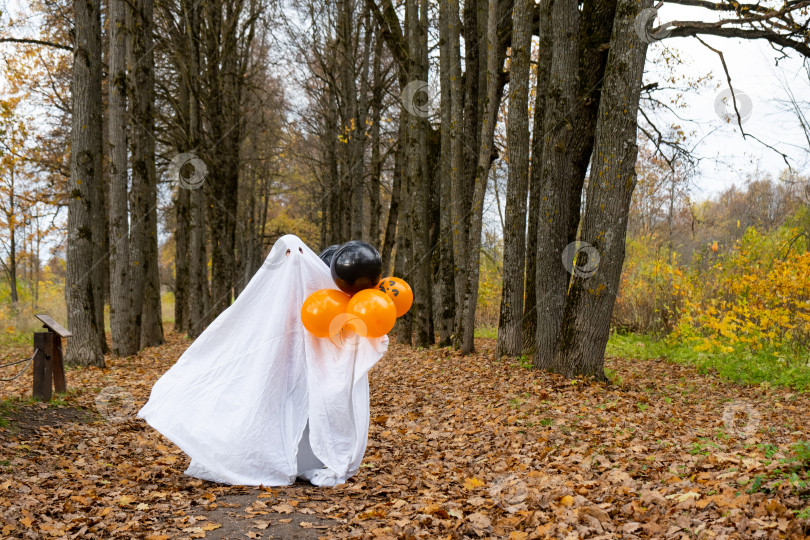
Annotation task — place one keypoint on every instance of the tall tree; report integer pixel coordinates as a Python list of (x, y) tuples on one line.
[(447, 304), (191, 204), (586, 321), (145, 314), (81, 282), (464, 182), (417, 172), (482, 173), (456, 157), (378, 88), (535, 179), (124, 341), (510, 325), (556, 174), (228, 31)]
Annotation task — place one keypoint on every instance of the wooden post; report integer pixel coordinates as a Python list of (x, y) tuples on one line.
[(43, 368), (49, 365), (59, 381)]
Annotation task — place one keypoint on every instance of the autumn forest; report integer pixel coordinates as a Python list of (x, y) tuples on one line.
[(534, 169)]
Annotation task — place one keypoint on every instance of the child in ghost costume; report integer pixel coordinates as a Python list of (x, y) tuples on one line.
[(257, 399)]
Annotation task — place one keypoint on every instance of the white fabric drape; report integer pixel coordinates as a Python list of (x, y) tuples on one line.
[(257, 399)]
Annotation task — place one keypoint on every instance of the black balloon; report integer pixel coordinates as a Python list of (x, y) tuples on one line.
[(327, 254), (356, 266)]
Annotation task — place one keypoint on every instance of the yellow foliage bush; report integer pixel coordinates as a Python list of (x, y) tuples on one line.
[(751, 296), (756, 296)]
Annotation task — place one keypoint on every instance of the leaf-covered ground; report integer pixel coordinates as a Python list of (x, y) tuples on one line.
[(458, 447)]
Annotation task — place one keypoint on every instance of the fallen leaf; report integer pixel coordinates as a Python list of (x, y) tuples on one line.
[(283, 508), (472, 483)]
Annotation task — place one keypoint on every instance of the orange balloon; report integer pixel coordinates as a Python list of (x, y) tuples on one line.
[(320, 308), (375, 309), (399, 291)]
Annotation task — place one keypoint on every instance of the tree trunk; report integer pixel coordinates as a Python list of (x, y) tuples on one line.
[(181, 256), (403, 262), (152, 322), (510, 325), (447, 306), (552, 278), (336, 232), (183, 196), (417, 180), (464, 187), (375, 180), (456, 160), (85, 181), (396, 194), (151, 318), (352, 129), (535, 178), (198, 291), (145, 310), (222, 106), (12, 251), (124, 342), (101, 250), (594, 41), (586, 323), (482, 173)]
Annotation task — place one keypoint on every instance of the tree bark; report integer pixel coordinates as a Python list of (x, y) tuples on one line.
[(482, 173), (403, 260), (331, 134), (594, 41), (535, 178), (418, 180), (152, 322), (464, 187), (199, 293), (456, 159), (124, 342), (510, 325), (145, 307), (183, 196), (392, 223), (447, 306), (222, 106), (11, 220), (353, 125), (181, 255), (375, 179), (198, 290), (586, 324), (556, 174), (81, 287)]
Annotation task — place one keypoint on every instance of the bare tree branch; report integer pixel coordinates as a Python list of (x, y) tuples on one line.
[(36, 42)]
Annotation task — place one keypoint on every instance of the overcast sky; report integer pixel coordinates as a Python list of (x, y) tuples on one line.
[(753, 70)]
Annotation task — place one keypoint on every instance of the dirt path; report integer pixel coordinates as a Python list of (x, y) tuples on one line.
[(458, 447)]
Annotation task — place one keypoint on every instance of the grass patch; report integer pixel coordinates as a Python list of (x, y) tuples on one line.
[(7, 406), (742, 366), (491, 333), (167, 307)]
